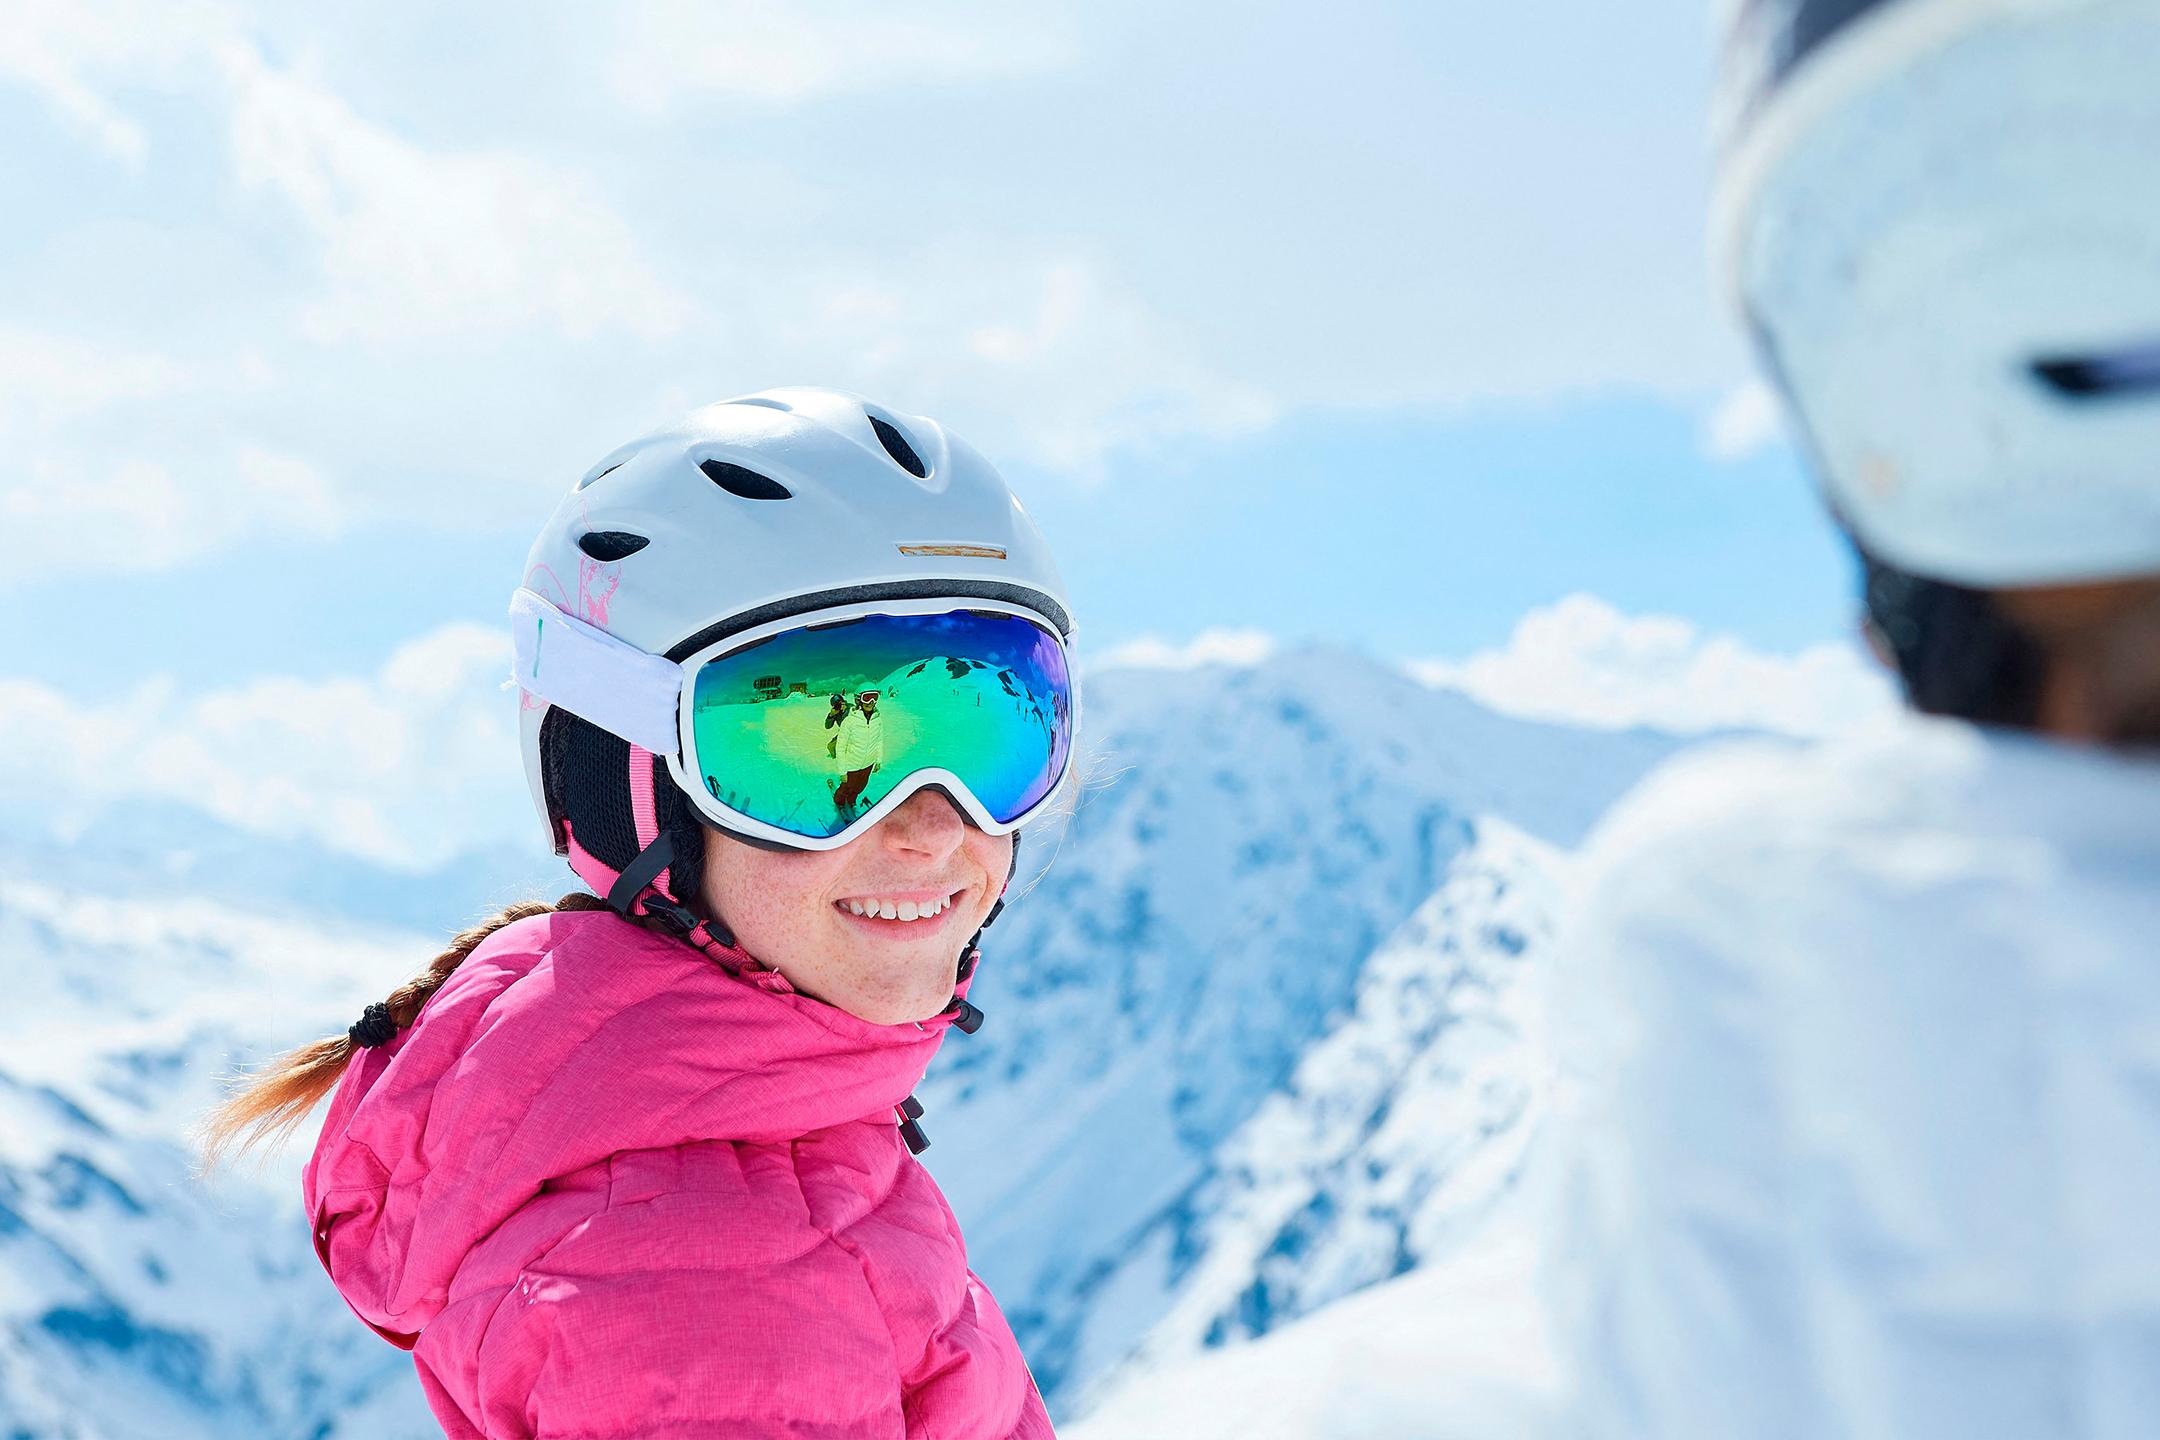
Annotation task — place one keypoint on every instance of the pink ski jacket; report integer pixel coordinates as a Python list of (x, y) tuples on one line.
[(605, 1188)]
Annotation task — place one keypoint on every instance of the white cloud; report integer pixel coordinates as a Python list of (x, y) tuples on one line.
[(413, 241), (782, 51), (419, 242), (1749, 418), (1209, 647), (1049, 350), (407, 767), (48, 380), (1583, 661), (119, 460), (1057, 294), (125, 460), (69, 51), (1034, 350), (274, 491), (129, 515)]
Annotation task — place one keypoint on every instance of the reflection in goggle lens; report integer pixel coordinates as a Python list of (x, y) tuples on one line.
[(808, 729)]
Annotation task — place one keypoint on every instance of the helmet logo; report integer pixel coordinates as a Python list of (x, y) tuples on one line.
[(974, 552)]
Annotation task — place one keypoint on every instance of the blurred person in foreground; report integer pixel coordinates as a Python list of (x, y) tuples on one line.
[(1862, 1120)]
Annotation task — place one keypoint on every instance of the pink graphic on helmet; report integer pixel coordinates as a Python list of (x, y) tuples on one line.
[(597, 582)]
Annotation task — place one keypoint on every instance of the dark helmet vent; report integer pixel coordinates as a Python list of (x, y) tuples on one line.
[(602, 475), (747, 483), (611, 544), (896, 445), (2097, 376)]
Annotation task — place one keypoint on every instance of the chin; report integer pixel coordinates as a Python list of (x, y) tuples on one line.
[(898, 1010)]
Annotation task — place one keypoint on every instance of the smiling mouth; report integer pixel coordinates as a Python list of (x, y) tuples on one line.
[(903, 910)]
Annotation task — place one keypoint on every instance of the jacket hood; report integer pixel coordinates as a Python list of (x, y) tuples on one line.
[(563, 1039)]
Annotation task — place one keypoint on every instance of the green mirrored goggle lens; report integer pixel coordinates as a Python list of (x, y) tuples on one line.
[(809, 729)]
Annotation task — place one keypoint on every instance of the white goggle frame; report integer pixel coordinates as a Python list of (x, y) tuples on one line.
[(647, 699)]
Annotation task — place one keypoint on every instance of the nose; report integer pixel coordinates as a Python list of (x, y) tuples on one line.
[(927, 824)]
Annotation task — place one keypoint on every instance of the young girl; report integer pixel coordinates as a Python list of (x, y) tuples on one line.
[(637, 1164)]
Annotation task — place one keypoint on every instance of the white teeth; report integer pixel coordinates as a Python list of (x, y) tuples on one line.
[(899, 909)]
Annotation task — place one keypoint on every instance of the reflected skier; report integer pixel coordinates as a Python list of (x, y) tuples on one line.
[(860, 749)]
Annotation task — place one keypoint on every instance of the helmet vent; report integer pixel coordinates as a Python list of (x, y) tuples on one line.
[(601, 475), (747, 483), (611, 544), (764, 402), (2091, 377), (896, 445)]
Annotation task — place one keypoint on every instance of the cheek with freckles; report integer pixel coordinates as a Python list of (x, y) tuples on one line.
[(772, 901), (788, 909)]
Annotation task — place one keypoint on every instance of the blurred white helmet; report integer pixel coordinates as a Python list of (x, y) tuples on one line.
[(1940, 218)]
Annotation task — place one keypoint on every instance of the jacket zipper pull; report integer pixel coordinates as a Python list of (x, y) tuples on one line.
[(910, 1112)]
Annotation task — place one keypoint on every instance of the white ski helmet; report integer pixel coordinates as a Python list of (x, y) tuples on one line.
[(1941, 222), (753, 510)]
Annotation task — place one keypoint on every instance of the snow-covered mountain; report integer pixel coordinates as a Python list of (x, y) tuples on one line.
[(1255, 1041), (1399, 1134), (159, 848), (134, 1301), (1217, 910)]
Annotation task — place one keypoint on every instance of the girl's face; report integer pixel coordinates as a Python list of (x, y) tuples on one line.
[(797, 910)]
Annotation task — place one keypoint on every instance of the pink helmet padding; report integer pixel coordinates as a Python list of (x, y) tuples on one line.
[(598, 875), (643, 812)]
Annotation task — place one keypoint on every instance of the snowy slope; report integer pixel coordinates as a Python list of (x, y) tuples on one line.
[(133, 1301), (1399, 1134), (1212, 917), (1453, 1351)]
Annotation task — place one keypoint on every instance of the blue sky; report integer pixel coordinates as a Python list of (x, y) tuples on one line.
[(1385, 323)]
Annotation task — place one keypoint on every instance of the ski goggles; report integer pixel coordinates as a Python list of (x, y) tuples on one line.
[(807, 732)]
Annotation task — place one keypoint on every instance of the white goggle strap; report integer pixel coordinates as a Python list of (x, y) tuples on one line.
[(596, 677)]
